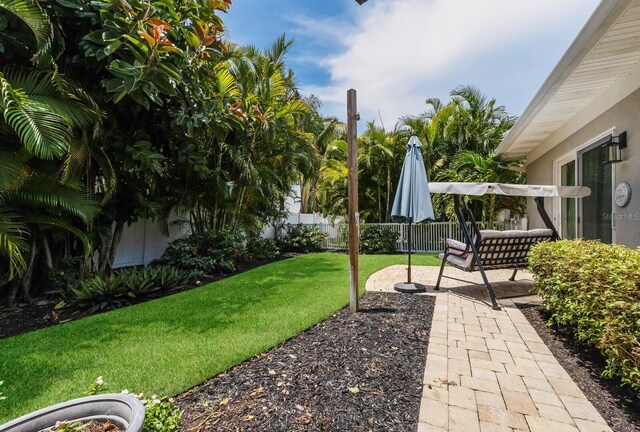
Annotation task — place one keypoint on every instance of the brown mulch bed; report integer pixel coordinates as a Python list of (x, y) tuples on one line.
[(41, 313), (352, 372), (618, 405)]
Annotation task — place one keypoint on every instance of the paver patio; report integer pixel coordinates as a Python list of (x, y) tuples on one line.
[(488, 370)]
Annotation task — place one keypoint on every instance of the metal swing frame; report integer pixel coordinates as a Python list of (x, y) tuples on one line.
[(504, 252)]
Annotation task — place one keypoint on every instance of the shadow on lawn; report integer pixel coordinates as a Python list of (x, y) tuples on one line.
[(204, 329)]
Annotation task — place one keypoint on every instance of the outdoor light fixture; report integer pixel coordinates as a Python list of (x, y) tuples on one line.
[(360, 1), (613, 148)]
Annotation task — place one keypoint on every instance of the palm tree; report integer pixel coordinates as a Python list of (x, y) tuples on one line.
[(476, 124), (37, 129), (469, 166)]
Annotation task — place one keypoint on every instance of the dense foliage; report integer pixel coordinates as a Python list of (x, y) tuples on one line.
[(378, 239), (594, 289), (263, 249), (209, 252), (301, 239), (124, 287), (118, 110)]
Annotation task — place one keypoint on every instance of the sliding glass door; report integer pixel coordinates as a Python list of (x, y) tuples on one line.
[(596, 221)]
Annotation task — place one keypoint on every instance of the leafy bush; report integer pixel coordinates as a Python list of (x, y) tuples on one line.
[(378, 239), (125, 286), (263, 249), (594, 289), (207, 252), (301, 238), (161, 414)]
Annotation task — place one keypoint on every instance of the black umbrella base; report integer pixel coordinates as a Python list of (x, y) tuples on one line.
[(409, 288)]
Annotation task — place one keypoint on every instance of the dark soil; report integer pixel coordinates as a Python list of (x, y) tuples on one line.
[(352, 372), (619, 406), (42, 313), (92, 426)]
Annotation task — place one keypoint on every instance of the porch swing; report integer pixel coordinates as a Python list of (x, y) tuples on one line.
[(484, 250)]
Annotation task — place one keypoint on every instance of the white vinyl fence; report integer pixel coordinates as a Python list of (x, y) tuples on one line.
[(428, 237)]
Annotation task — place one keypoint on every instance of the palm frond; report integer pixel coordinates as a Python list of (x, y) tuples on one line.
[(13, 171), (30, 12), (40, 190), (13, 240), (41, 132), (51, 91)]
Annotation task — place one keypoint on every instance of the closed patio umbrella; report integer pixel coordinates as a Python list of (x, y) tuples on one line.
[(412, 201)]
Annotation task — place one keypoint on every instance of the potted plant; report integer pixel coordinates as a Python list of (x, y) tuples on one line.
[(126, 412)]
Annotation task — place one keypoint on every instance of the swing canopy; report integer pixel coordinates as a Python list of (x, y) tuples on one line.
[(509, 189)]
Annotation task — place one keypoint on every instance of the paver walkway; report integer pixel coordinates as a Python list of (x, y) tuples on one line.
[(489, 370)]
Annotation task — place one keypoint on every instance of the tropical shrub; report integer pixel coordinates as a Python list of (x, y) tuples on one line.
[(263, 249), (126, 286), (209, 252), (378, 239), (594, 289), (301, 238)]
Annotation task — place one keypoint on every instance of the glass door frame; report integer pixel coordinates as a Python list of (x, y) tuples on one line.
[(579, 152), (557, 201)]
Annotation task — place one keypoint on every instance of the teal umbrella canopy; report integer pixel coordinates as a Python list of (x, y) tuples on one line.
[(413, 200)]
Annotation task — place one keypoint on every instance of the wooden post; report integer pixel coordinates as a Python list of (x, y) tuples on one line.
[(352, 134)]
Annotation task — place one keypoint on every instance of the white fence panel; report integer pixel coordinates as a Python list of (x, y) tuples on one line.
[(143, 241), (428, 237)]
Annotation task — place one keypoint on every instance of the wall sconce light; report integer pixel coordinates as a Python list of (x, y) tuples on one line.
[(613, 148)]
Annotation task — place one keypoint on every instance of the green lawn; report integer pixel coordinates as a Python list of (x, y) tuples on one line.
[(168, 345)]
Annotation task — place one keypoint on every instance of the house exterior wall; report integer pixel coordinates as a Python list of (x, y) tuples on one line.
[(624, 116)]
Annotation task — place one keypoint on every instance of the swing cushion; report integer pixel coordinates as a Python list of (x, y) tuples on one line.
[(497, 249), (458, 247)]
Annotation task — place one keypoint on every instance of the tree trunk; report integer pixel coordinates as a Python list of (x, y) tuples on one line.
[(13, 291), (47, 252), (115, 241), (25, 283), (107, 258), (388, 213), (238, 208)]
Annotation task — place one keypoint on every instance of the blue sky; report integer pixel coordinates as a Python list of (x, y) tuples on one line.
[(397, 53)]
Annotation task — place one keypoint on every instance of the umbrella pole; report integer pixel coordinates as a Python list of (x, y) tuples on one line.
[(409, 244)]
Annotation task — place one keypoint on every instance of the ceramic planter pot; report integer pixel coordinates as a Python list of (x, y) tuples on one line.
[(125, 411)]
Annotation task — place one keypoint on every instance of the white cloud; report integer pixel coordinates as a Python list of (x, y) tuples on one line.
[(399, 49)]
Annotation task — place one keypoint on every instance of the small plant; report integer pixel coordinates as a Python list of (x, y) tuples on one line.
[(301, 238), (378, 239), (161, 414), (96, 294), (96, 387), (66, 426), (263, 249)]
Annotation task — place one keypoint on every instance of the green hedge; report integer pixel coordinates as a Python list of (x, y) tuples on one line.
[(378, 239), (594, 289)]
